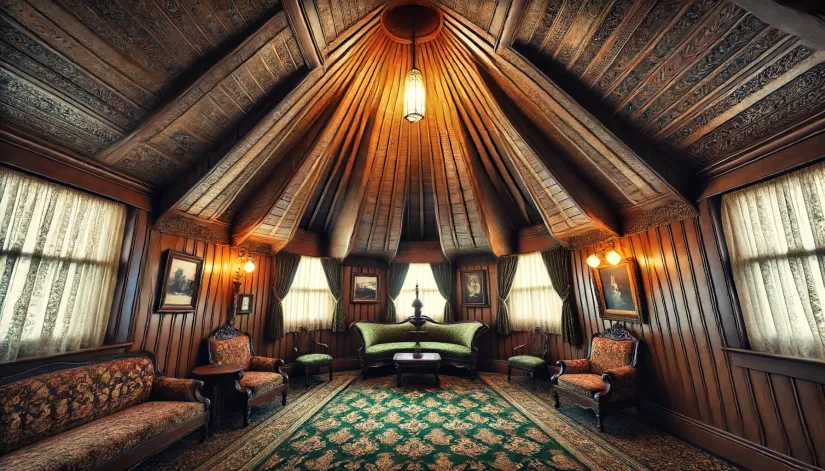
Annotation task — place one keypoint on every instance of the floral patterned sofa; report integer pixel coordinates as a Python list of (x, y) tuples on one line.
[(455, 342), (112, 414)]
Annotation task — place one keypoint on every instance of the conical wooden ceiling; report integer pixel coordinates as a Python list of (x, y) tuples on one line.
[(295, 127)]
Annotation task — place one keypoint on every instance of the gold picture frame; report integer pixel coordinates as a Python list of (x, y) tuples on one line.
[(618, 291)]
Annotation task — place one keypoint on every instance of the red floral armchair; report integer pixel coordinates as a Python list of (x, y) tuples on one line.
[(606, 380), (261, 379)]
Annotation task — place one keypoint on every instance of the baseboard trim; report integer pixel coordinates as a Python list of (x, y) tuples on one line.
[(725, 444)]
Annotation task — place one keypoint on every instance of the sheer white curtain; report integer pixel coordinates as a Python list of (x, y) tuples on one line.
[(775, 233), (533, 302), (59, 251), (309, 302), (428, 293)]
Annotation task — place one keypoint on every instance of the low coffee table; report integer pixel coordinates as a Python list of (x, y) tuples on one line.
[(429, 363)]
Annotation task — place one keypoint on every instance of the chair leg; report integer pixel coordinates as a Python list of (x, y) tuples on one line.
[(330, 373), (283, 399), (532, 380), (306, 376), (509, 373), (205, 432), (555, 398), (600, 420), (247, 411)]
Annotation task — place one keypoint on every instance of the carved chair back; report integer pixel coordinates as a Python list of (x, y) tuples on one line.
[(304, 341), (537, 345), (613, 348), (229, 345)]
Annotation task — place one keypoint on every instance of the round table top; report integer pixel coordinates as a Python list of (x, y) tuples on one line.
[(213, 370)]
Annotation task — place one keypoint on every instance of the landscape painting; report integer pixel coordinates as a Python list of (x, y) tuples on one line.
[(180, 283), (618, 291), (364, 288)]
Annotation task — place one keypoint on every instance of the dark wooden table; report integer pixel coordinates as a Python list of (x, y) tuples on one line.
[(219, 380), (429, 363)]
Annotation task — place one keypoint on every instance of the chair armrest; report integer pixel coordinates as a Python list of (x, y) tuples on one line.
[(620, 382), (257, 363), (574, 367), (520, 346), (177, 389), (326, 347)]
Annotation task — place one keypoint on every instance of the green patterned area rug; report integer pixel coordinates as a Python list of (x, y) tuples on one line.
[(486, 424), (463, 425)]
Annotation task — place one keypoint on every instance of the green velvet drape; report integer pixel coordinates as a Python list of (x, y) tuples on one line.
[(557, 262), (286, 265), (443, 274), (506, 268), (335, 275), (397, 275)]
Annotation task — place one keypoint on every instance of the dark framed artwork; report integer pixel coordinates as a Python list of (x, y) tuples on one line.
[(180, 284), (617, 291), (474, 288), (245, 304), (364, 288)]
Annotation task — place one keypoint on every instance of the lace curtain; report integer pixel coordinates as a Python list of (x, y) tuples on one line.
[(309, 302), (59, 253), (428, 293), (775, 232), (533, 302)]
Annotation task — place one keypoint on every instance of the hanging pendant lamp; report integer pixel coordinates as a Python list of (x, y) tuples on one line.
[(414, 90)]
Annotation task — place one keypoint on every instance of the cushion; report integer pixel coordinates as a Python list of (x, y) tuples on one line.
[(607, 354), (386, 351), (461, 333), (314, 359), (582, 384), (234, 350), (374, 333), (528, 362), (42, 406), (261, 382), (92, 445)]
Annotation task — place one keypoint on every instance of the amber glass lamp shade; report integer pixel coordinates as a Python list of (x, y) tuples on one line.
[(414, 96), (594, 261), (249, 266)]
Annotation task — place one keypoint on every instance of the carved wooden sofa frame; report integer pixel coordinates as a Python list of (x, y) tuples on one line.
[(243, 396), (131, 458), (470, 366), (601, 402)]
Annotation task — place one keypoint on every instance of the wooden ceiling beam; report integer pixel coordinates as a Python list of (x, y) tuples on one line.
[(303, 19), (514, 11), (805, 19)]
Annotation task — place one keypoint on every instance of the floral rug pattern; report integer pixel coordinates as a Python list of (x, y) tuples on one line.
[(464, 425)]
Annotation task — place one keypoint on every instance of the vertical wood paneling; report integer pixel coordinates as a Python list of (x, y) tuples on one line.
[(683, 367)]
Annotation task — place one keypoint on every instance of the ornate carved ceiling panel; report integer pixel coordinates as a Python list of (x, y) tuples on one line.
[(701, 80), (89, 76)]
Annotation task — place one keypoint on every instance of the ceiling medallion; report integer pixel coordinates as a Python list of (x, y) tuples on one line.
[(406, 22)]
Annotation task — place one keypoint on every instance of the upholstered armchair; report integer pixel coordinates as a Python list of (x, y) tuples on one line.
[(532, 358), (261, 378), (605, 381), (305, 355)]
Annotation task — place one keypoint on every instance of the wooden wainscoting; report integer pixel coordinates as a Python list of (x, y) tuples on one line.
[(691, 387)]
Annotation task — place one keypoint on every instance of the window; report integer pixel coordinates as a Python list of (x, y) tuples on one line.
[(309, 302), (428, 293), (775, 232), (533, 302), (58, 266)]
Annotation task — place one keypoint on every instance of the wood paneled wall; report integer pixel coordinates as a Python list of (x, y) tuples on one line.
[(176, 338), (687, 378)]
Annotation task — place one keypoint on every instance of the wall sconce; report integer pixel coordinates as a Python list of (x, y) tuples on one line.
[(612, 257), (249, 266), (245, 265)]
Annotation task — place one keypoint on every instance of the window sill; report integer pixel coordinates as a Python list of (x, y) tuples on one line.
[(803, 368)]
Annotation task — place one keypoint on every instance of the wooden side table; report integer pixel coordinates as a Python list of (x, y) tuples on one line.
[(219, 380), (429, 363)]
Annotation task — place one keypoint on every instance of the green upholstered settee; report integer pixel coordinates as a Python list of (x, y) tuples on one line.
[(456, 342)]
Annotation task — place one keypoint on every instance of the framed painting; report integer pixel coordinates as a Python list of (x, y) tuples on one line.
[(245, 304), (180, 283), (617, 291), (474, 288), (364, 288)]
